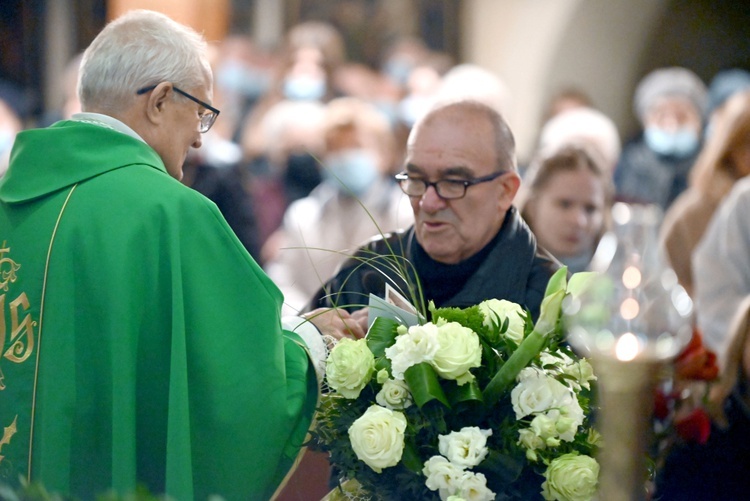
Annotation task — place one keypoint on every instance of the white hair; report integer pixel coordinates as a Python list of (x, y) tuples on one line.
[(582, 126), (139, 49), (472, 82)]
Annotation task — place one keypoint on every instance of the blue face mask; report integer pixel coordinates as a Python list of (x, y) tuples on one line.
[(398, 69), (238, 78), (680, 144), (304, 88), (356, 169)]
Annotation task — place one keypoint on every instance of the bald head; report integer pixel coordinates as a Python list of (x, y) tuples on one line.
[(503, 143)]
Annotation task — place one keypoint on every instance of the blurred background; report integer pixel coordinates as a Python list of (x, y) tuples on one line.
[(537, 48)]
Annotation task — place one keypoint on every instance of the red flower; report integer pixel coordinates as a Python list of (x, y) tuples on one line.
[(694, 427), (696, 362), (661, 405)]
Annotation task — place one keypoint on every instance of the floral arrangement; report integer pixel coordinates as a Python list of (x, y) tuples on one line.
[(479, 403)]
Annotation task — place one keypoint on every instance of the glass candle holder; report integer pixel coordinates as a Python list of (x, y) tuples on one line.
[(632, 318)]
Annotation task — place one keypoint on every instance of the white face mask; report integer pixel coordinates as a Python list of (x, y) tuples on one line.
[(6, 141), (356, 169)]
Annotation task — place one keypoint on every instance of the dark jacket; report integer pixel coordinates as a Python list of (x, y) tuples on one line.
[(644, 176), (515, 269)]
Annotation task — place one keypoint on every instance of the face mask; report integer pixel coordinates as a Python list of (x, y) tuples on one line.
[(356, 169), (398, 69), (304, 88), (238, 78), (6, 141), (680, 144)]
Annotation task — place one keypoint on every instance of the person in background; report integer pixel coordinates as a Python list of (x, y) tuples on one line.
[(721, 270), (356, 201), (10, 125), (216, 169), (565, 99), (722, 86), (654, 167), (306, 69), (717, 468), (724, 159), (475, 83), (142, 344), (567, 202), (287, 168), (582, 125), (243, 76)]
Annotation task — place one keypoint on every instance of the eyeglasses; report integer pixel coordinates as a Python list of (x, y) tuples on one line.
[(208, 117), (447, 189)]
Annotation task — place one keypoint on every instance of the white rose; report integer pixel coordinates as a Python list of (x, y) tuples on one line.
[(419, 344), (394, 395), (531, 442), (442, 476), (543, 427), (459, 350), (536, 392), (571, 477), (584, 372), (349, 367), (581, 370), (474, 487), (465, 448), (497, 310), (571, 418), (377, 437)]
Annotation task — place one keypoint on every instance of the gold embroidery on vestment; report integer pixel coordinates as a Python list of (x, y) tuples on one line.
[(8, 433), (21, 333)]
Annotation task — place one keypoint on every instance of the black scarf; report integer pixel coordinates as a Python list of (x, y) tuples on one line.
[(441, 281)]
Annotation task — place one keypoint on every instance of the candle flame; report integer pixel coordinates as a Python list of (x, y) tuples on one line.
[(627, 347)]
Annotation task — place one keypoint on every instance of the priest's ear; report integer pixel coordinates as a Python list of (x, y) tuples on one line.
[(158, 101)]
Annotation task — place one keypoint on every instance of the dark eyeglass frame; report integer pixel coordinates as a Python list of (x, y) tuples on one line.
[(402, 178), (207, 119)]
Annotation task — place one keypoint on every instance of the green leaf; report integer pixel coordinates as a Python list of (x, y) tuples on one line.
[(410, 458), (381, 335), (502, 467), (469, 392), (424, 384)]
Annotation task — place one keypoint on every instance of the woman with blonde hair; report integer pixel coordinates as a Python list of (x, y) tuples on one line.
[(566, 203), (724, 159)]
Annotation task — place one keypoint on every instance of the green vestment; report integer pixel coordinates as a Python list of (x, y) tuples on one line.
[(141, 344)]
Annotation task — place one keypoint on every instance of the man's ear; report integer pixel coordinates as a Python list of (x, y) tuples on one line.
[(158, 100), (510, 183)]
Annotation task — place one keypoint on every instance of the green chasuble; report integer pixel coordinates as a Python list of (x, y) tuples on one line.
[(141, 344)]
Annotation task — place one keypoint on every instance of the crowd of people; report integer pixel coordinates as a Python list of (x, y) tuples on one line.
[(164, 323)]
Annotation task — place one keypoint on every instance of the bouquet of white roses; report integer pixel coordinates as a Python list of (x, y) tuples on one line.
[(477, 404)]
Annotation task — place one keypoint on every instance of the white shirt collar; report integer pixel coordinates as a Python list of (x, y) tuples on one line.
[(106, 121)]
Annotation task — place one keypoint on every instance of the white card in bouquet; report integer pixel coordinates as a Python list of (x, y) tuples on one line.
[(394, 306)]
